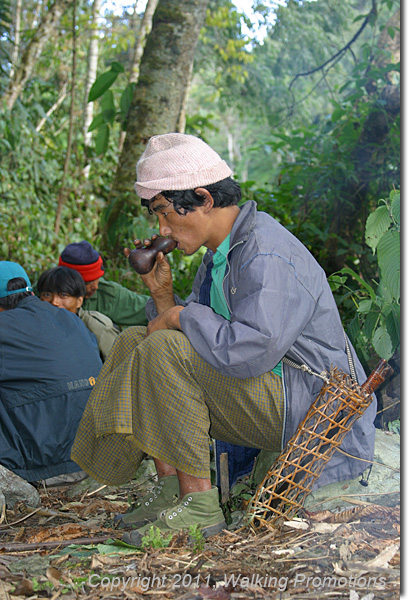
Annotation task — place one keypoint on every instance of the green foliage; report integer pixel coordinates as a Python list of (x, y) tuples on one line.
[(394, 426), (377, 319), (109, 112), (105, 80), (330, 172), (30, 174), (184, 269), (297, 150), (197, 538), (156, 539)]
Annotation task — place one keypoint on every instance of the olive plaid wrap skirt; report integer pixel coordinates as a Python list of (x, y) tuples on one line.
[(155, 395)]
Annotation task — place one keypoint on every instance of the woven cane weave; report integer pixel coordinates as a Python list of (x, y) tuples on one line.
[(283, 491)]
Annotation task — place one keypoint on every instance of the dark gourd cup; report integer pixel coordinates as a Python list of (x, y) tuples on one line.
[(142, 259)]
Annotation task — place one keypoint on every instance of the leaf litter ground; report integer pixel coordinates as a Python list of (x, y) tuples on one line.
[(68, 549)]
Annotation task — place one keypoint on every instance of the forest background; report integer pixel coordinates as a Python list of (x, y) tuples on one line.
[(305, 108)]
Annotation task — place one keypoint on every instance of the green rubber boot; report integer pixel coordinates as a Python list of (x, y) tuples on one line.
[(163, 495), (199, 508)]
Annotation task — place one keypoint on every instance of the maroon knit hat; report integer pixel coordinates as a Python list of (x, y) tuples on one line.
[(83, 258)]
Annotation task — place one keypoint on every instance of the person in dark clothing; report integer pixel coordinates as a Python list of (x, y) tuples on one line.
[(124, 307), (49, 362), (64, 287)]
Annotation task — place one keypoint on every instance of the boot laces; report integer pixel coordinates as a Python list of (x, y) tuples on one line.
[(156, 491), (177, 509)]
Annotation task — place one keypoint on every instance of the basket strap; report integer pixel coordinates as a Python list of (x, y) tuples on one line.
[(324, 375), (305, 368), (350, 359)]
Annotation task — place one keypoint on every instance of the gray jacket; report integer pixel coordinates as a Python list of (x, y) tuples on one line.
[(281, 305)]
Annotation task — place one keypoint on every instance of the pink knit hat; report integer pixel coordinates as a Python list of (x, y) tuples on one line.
[(175, 162)]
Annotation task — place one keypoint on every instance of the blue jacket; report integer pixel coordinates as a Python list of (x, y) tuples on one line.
[(281, 305), (49, 361)]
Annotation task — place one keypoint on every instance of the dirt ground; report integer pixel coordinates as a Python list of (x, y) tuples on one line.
[(68, 549)]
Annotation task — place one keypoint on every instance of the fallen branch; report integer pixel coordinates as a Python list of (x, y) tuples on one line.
[(15, 547)]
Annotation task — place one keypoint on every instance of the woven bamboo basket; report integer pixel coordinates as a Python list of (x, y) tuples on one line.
[(291, 478)]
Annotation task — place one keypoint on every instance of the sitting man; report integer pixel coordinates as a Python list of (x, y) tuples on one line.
[(124, 307), (49, 362), (64, 287), (214, 366)]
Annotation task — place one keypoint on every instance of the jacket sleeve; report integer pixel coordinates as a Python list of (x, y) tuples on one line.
[(124, 307), (103, 329), (270, 309)]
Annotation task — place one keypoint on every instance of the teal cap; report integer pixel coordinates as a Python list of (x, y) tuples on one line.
[(10, 271)]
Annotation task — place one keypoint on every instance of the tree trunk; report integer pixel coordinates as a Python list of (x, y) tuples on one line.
[(91, 76), (143, 32), (16, 44), (33, 51), (158, 98), (181, 122), (92, 71), (62, 194)]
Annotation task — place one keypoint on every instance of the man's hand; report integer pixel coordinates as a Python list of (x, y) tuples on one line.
[(169, 319), (159, 280)]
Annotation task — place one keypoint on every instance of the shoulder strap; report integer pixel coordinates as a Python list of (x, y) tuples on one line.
[(324, 375)]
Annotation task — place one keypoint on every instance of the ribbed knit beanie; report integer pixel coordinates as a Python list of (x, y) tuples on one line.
[(176, 162), (82, 257)]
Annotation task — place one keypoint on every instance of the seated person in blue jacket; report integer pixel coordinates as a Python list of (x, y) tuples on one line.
[(64, 287), (212, 366), (49, 362)]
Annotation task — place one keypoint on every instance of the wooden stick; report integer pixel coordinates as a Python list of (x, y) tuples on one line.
[(14, 547), (224, 476)]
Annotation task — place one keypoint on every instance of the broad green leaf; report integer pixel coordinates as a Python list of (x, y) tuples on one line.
[(388, 255), (392, 32), (109, 115), (126, 98), (101, 84), (353, 329), (101, 140), (365, 306), (377, 224), (395, 206), (117, 67), (107, 101), (382, 343), (370, 323), (366, 286), (116, 547), (392, 316), (337, 114), (97, 122), (335, 281)]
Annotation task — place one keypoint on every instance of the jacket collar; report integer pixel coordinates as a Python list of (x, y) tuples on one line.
[(243, 225), (244, 222)]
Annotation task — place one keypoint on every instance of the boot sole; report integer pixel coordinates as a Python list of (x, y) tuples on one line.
[(123, 525), (212, 530)]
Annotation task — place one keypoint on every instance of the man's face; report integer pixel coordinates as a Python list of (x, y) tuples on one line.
[(91, 288), (62, 300), (190, 231)]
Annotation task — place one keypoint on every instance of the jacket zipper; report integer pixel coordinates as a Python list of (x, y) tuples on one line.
[(228, 272), (285, 396)]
